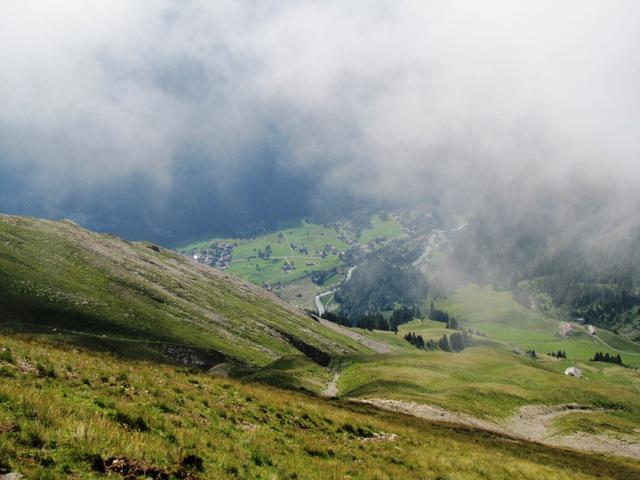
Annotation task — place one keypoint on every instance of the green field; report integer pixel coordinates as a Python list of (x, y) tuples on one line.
[(270, 271), (498, 316), (314, 237)]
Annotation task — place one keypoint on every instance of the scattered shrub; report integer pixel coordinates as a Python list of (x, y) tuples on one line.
[(136, 423), (260, 458), (46, 370), (6, 356), (193, 462), (96, 462), (5, 460), (32, 439)]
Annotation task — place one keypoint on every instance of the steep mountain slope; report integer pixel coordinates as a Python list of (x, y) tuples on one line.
[(141, 300)]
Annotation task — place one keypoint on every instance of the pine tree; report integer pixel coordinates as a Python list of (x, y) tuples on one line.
[(443, 344), (456, 342), (380, 322)]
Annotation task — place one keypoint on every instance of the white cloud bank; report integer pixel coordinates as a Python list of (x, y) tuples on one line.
[(379, 95)]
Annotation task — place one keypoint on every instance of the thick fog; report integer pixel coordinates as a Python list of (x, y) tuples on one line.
[(170, 119)]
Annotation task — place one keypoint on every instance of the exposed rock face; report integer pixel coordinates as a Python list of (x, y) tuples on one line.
[(190, 356), (11, 476), (309, 351)]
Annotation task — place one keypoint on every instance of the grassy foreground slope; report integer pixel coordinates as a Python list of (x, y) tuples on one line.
[(59, 279), (65, 413)]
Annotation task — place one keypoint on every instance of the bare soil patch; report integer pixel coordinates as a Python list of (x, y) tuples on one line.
[(531, 422)]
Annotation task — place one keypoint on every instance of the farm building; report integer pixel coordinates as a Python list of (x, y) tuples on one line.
[(573, 372), (565, 329)]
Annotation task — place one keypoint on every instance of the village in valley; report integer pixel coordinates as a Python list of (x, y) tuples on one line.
[(307, 252)]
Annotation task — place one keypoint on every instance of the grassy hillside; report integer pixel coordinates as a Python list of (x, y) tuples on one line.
[(66, 414), (500, 317), (494, 378), (487, 382), (60, 280)]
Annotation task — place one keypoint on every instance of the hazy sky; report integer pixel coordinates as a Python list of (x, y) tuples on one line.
[(184, 102)]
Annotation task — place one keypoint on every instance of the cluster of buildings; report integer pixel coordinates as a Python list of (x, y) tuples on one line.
[(302, 250), (566, 328), (326, 251), (216, 255)]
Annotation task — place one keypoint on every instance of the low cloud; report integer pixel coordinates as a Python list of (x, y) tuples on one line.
[(385, 100)]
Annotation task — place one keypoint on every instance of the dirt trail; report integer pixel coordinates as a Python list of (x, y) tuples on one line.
[(531, 422), (374, 345), (596, 338), (332, 387), (431, 412), (536, 421), (622, 447)]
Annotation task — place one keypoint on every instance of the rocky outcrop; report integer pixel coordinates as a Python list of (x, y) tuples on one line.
[(189, 356), (309, 351)]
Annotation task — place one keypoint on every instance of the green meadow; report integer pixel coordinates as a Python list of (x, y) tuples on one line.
[(246, 264), (498, 316)]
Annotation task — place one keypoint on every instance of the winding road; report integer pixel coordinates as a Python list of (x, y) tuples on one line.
[(319, 305), (427, 250), (598, 339)]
